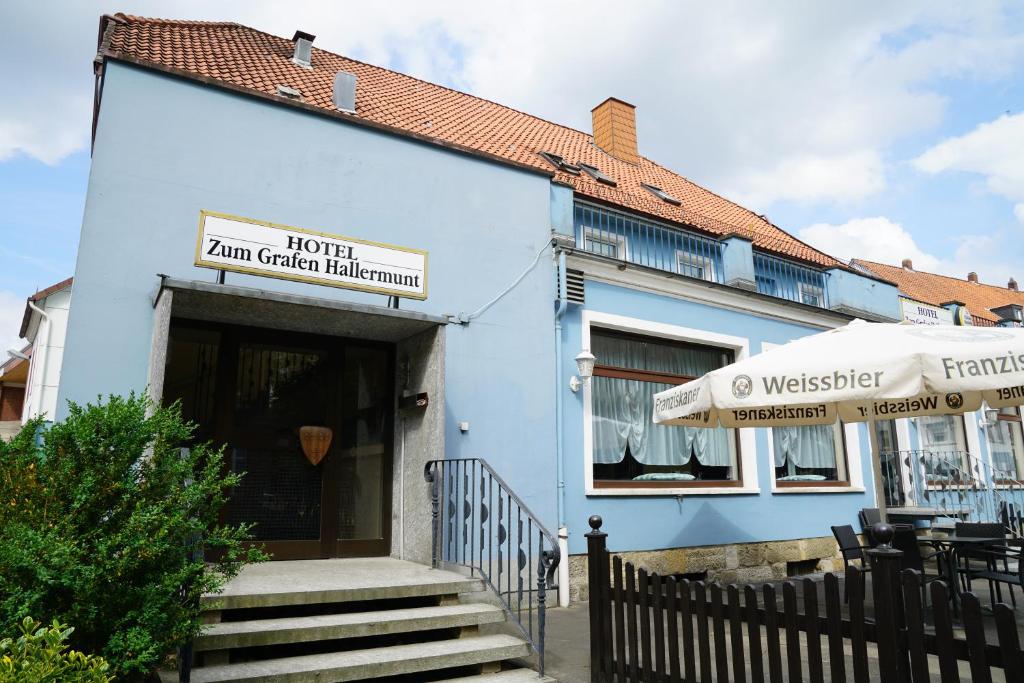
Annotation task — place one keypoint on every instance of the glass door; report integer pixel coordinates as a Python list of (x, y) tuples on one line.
[(359, 473), (253, 391)]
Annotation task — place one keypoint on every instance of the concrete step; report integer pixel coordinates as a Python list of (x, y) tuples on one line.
[(305, 582), (373, 663), (510, 676), (232, 634)]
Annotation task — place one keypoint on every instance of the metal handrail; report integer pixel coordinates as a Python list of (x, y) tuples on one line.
[(964, 483), (466, 533)]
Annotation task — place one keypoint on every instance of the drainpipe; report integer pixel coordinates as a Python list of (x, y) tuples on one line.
[(563, 531), (40, 360)]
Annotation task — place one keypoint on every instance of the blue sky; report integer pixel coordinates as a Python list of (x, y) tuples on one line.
[(879, 130)]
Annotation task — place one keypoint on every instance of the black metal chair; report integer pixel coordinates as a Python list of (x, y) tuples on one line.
[(990, 562), (852, 551), (913, 558), (869, 517)]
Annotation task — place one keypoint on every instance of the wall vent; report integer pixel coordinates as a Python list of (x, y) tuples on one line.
[(345, 91), (289, 92), (574, 290)]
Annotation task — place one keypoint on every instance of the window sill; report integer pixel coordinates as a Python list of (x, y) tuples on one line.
[(634, 491), (817, 489)]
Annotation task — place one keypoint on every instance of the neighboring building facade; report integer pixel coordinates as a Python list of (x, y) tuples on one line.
[(45, 326), (541, 241), (13, 376), (987, 444)]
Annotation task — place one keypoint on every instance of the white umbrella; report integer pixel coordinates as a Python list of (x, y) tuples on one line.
[(863, 371)]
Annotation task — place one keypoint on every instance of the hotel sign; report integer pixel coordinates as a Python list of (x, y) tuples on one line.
[(245, 245), (925, 314)]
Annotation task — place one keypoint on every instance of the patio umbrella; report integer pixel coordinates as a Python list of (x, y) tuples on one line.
[(859, 372)]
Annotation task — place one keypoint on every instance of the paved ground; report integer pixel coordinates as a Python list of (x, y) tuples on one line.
[(568, 641)]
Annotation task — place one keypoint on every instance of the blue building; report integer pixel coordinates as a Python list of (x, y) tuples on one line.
[(282, 238)]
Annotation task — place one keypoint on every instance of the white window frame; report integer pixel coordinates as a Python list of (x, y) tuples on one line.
[(851, 444), (814, 290), (687, 259), (747, 451), (1018, 457), (606, 238)]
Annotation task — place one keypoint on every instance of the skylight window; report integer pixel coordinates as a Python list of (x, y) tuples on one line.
[(289, 92), (560, 163), (662, 195), (595, 173)]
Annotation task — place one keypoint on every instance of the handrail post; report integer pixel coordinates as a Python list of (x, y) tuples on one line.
[(596, 549), (543, 568), (893, 663), (430, 474)]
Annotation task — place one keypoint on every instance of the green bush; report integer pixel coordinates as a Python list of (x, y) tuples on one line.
[(97, 529), (42, 655)]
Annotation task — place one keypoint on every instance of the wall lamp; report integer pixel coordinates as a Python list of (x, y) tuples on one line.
[(585, 366), (990, 418)]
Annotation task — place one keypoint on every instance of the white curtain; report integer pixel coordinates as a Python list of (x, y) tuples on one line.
[(622, 408), (808, 447)]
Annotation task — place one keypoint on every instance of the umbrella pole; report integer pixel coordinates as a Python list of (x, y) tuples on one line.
[(876, 466)]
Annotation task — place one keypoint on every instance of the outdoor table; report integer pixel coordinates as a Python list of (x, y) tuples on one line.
[(957, 544), (925, 513)]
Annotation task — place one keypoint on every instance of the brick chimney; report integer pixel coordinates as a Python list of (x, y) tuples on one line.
[(614, 124), (972, 276), (1012, 285), (908, 264)]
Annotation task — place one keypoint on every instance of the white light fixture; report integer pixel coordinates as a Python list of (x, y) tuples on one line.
[(585, 367), (990, 417)]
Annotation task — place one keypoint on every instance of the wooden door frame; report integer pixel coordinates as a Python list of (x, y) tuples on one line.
[(328, 545)]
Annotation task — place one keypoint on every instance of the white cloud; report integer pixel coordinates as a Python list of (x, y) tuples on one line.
[(883, 240), (994, 150), (846, 177), (875, 239), (12, 307), (764, 101)]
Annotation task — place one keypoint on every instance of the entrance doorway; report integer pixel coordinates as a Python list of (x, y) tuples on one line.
[(252, 390)]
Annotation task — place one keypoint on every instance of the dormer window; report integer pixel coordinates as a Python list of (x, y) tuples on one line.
[(662, 195), (560, 163), (1010, 312), (595, 173)]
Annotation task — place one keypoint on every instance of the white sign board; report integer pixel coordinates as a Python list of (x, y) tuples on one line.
[(259, 248), (925, 314)]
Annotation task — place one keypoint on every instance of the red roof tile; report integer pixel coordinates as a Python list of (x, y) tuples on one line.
[(935, 289), (245, 58)]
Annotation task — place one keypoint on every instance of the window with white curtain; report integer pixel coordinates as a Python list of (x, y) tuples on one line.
[(628, 446), (806, 456)]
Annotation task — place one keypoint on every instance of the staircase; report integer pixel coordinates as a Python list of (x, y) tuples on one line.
[(354, 620), (954, 484)]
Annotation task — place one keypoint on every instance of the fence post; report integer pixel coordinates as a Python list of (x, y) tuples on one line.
[(596, 548), (893, 664)]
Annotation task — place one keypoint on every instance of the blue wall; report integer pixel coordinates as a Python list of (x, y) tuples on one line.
[(166, 148), (652, 522)]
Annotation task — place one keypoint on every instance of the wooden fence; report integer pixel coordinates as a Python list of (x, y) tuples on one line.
[(652, 629)]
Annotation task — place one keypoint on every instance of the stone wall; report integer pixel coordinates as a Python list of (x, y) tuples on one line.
[(739, 563)]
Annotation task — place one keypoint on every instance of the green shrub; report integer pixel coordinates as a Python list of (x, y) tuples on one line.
[(42, 655), (98, 530)]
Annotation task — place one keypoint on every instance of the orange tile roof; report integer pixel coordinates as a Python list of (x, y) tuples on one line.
[(236, 56), (932, 288)]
